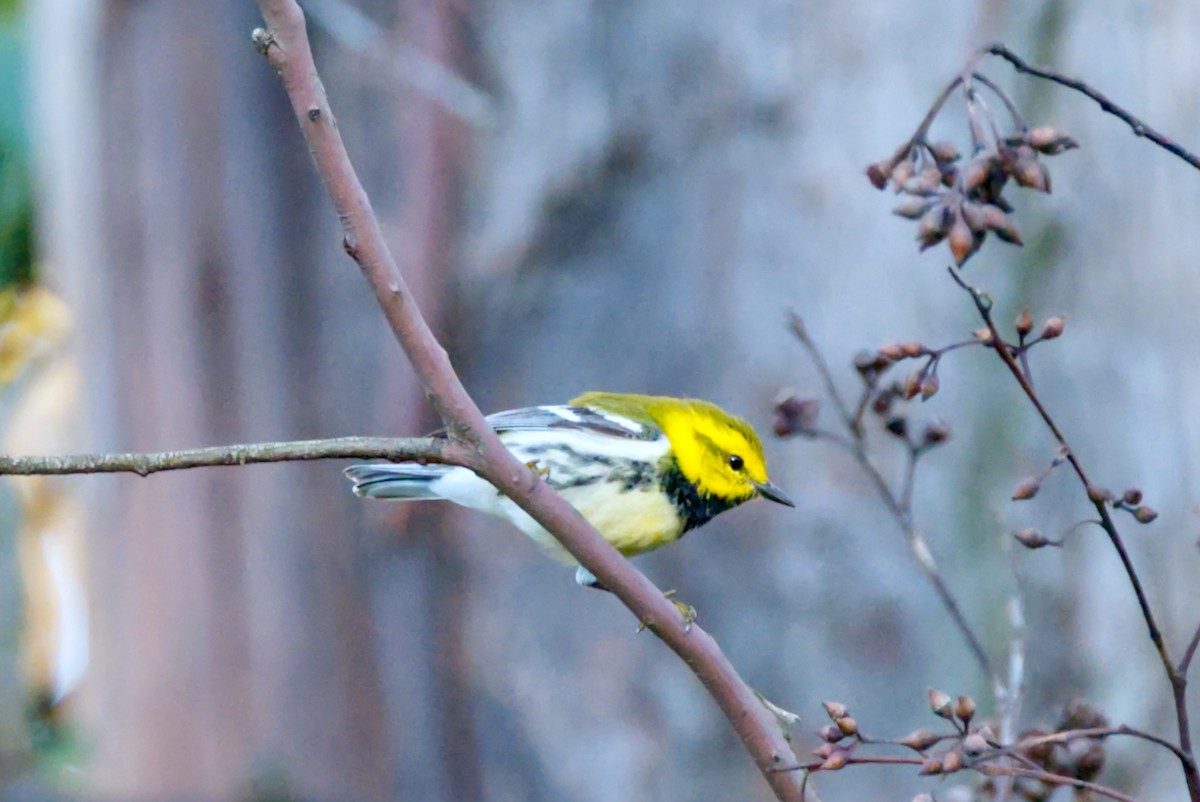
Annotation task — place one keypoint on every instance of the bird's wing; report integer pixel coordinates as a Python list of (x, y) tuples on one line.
[(568, 417)]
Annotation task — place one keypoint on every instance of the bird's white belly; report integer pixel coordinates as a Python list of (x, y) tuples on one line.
[(633, 520)]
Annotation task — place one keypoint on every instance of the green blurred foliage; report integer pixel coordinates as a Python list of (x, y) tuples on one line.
[(16, 192)]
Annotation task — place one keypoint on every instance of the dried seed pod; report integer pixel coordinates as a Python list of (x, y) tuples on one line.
[(879, 173), (824, 750), (913, 208), (1024, 323), (934, 226), (1145, 515), (893, 351), (882, 404), (1031, 173), (1132, 496), (1049, 140), (1031, 538), (964, 708), (936, 432), (920, 740), (975, 744), (1052, 328), (1027, 489), (944, 151), (941, 704), (902, 172), (961, 240), (912, 385), (929, 386), (914, 349), (794, 415), (1090, 763), (929, 179), (830, 734), (847, 725), (973, 176), (834, 710), (932, 765), (869, 363)]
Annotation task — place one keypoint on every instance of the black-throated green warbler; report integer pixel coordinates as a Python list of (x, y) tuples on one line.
[(642, 469)]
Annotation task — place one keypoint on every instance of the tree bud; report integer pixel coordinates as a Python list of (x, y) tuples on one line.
[(929, 386), (1027, 489), (932, 765), (834, 710), (879, 173), (830, 734), (897, 425), (913, 208), (835, 761), (964, 708), (893, 351), (951, 762), (1145, 515), (935, 433), (914, 349), (1024, 323), (1031, 538), (847, 725), (920, 740), (975, 744), (1053, 327), (1132, 496), (1049, 140), (984, 335), (944, 151)]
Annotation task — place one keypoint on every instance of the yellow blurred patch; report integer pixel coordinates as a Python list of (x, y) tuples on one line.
[(32, 322)]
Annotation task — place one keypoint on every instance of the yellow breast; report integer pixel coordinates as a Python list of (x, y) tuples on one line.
[(633, 521)]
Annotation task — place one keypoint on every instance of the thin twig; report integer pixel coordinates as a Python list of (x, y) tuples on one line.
[(899, 507), (285, 45), (389, 448), (1186, 662), (1139, 128), (983, 305)]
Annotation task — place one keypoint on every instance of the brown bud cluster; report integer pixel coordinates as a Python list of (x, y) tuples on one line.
[(960, 204), (795, 415)]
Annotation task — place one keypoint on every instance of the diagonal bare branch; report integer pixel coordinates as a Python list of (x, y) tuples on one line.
[(285, 45)]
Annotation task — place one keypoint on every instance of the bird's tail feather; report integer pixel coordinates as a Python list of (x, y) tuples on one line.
[(384, 480)]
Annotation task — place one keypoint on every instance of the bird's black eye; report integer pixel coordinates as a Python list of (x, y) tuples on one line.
[(736, 462)]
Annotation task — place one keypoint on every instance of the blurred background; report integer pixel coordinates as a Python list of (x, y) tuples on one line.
[(586, 195)]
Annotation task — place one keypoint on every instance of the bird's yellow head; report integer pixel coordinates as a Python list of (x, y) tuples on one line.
[(717, 452)]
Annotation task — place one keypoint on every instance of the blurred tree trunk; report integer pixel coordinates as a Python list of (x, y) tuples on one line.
[(233, 611)]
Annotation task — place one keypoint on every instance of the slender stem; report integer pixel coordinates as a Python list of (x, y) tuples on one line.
[(1018, 121), (1186, 662), (898, 506), (1139, 128), (285, 45), (1177, 679), (389, 448), (1063, 780)]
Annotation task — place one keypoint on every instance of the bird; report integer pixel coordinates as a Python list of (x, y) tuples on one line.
[(643, 470)]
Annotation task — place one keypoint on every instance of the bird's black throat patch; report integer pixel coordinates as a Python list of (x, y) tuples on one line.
[(695, 508)]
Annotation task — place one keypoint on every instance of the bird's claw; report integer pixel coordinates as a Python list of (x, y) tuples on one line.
[(686, 611), (538, 469)]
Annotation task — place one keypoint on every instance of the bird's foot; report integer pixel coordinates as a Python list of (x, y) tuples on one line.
[(686, 611)]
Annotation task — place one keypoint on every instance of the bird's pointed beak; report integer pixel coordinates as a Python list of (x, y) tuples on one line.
[(768, 490)]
